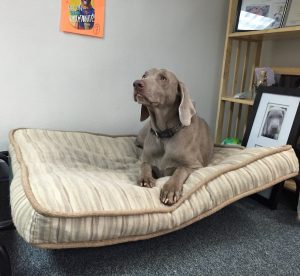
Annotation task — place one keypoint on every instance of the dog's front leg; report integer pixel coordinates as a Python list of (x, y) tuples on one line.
[(146, 179), (172, 190)]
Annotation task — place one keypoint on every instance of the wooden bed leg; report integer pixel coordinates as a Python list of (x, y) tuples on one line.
[(271, 202), (5, 268), (297, 181), (5, 216), (275, 195)]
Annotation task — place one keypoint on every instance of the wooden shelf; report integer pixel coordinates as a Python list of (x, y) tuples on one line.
[(242, 54), (286, 32), (294, 71), (240, 101)]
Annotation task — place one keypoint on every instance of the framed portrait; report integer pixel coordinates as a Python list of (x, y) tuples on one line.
[(275, 119), (260, 14), (293, 14)]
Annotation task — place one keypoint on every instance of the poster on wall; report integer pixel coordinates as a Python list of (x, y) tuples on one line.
[(85, 17)]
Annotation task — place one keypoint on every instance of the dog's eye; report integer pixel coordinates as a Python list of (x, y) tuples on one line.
[(144, 76), (163, 78)]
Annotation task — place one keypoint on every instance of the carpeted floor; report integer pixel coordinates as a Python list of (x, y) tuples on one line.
[(244, 238)]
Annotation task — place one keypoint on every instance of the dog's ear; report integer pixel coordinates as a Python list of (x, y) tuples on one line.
[(186, 106), (144, 113), (266, 124)]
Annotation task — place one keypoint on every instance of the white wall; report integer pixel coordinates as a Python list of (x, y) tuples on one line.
[(51, 79)]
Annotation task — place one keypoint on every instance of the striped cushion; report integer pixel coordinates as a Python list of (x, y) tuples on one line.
[(74, 189)]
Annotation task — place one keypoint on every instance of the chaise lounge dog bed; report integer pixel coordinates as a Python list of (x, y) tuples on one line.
[(74, 189)]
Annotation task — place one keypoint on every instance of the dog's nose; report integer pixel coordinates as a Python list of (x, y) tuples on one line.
[(138, 84)]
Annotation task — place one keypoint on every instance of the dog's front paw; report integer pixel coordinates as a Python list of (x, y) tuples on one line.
[(147, 181), (171, 193)]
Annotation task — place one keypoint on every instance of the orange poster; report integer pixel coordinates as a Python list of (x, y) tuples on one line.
[(84, 17)]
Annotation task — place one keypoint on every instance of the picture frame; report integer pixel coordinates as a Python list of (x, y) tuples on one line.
[(254, 15), (270, 102), (292, 17), (287, 102)]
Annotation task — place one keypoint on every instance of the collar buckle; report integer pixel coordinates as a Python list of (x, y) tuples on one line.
[(167, 133)]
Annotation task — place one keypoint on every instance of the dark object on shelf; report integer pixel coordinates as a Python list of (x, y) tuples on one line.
[(5, 214), (289, 81)]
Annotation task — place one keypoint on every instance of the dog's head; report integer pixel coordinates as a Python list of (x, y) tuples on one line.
[(160, 88), (85, 3), (273, 123)]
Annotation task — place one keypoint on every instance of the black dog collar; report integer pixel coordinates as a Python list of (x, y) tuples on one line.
[(167, 133)]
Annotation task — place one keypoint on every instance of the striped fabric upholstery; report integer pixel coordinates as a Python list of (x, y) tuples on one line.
[(74, 189)]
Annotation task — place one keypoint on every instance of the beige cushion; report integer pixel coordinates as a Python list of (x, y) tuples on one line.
[(74, 189)]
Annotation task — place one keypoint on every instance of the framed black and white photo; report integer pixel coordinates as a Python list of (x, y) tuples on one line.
[(275, 119), (260, 14)]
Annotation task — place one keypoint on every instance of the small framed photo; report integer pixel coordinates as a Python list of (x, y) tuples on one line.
[(260, 14), (293, 14), (275, 119)]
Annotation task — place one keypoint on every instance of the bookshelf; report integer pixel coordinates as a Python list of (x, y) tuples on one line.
[(242, 54)]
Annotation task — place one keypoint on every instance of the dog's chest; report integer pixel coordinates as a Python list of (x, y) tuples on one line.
[(159, 153), (154, 148)]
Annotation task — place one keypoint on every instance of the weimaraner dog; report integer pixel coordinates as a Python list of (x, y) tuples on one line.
[(272, 125), (175, 141)]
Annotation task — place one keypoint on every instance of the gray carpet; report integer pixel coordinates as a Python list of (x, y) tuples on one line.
[(244, 238)]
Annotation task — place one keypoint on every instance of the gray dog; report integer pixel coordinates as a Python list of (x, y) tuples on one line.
[(175, 141), (272, 125)]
